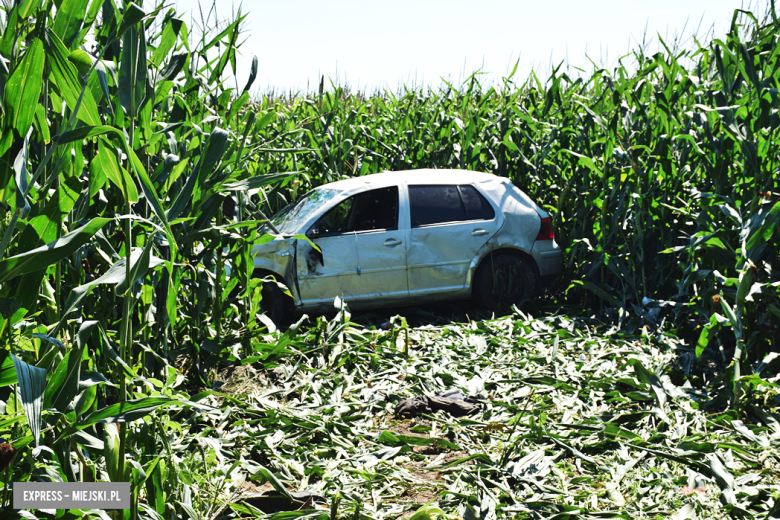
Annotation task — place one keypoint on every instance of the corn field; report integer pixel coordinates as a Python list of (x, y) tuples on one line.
[(134, 177)]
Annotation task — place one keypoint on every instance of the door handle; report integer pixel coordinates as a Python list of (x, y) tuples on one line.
[(390, 242), (478, 232)]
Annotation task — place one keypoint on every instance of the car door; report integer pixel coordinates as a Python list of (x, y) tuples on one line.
[(449, 224), (363, 256)]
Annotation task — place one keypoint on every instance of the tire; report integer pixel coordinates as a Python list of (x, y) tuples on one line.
[(273, 299), (503, 279)]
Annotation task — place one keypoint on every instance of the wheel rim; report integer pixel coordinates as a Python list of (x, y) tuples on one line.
[(507, 283)]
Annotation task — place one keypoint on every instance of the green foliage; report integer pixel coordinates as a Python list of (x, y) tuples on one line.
[(120, 141), (123, 148)]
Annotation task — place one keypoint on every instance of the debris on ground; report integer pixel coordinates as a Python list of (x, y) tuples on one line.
[(452, 401)]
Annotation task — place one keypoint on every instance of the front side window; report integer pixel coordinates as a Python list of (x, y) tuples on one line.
[(437, 204), (374, 210)]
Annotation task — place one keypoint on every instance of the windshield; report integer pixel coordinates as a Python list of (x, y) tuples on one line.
[(290, 218)]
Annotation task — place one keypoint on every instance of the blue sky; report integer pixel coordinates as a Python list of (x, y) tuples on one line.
[(372, 44)]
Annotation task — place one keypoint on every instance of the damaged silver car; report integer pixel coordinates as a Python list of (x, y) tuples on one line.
[(408, 237)]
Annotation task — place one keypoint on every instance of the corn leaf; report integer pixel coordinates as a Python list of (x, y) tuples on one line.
[(53, 252), (32, 382), (23, 88)]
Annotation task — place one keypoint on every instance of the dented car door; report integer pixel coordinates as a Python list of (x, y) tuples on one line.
[(449, 225), (363, 252)]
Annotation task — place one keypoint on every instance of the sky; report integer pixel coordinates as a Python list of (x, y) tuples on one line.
[(380, 44)]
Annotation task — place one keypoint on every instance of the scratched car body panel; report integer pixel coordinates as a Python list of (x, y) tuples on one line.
[(402, 237)]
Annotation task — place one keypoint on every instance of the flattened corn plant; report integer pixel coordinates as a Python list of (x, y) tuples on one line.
[(576, 420)]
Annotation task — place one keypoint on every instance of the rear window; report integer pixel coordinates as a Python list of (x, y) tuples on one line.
[(438, 204)]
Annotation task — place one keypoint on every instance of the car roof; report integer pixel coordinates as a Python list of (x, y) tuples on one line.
[(422, 176)]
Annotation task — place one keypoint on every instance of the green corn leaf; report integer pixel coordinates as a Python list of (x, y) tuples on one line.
[(746, 64), (84, 132), (41, 125), (88, 441), (132, 71), (107, 163), (28, 7), (132, 15), (745, 282), (208, 160), (706, 334), (115, 275), (768, 227), (111, 452), (166, 43), (651, 379), (103, 69), (236, 105), (275, 482), (51, 253), (12, 21), (604, 295), (137, 269), (32, 382), (94, 9), (81, 60), (191, 513), (42, 229), (258, 181), (23, 88), (21, 178), (110, 353), (183, 198), (7, 369), (223, 59), (175, 65), (229, 29), (65, 77), (48, 339), (252, 75), (126, 411), (732, 317), (3, 79), (64, 383), (151, 196), (68, 20), (430, 512)]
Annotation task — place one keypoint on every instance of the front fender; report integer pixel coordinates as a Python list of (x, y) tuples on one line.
[(278, 257)]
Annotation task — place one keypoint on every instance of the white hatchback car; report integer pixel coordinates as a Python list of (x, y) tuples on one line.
[(408, 237)]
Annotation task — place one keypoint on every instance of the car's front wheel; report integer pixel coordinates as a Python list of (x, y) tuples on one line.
[(273, 299), (503, 278)]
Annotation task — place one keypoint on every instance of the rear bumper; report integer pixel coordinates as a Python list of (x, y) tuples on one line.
[(549, 260)]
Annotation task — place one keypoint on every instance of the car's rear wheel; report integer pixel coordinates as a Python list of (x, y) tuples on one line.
[(503, 279)]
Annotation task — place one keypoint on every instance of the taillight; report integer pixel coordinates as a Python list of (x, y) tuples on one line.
[(546, 231)]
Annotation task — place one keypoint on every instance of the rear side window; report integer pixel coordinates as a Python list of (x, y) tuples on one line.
[(435, 204), (439, 204)]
